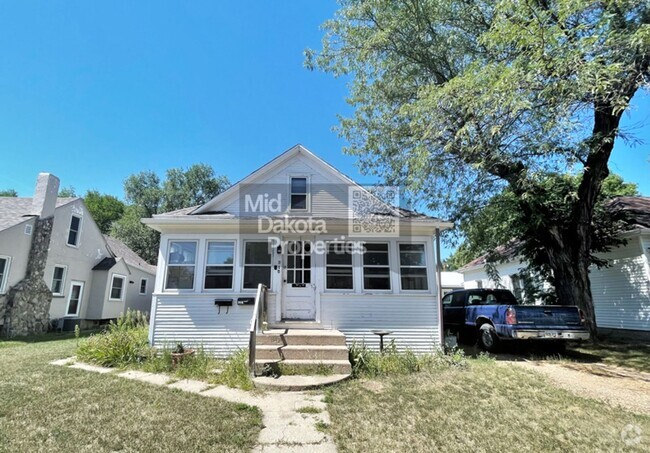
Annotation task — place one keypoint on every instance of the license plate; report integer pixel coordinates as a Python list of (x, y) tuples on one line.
[(550, 334)]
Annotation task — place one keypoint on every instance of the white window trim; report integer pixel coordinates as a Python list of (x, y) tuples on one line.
[(167, 266), (63, 277), (146, 286), (308, 194), (205, 265), (426, 267), (351, 265), (81, 297), (110, 288), (5, 276), (243, 265), (76, 245), (390, 270)]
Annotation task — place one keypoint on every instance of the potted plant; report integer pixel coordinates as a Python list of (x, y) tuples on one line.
[(179, 353)]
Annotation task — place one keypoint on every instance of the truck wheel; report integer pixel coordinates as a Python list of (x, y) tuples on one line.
[(487, 338)]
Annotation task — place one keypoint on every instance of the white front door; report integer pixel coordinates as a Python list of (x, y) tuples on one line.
[(298, 292)]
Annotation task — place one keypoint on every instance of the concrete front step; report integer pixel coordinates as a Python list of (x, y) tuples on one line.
[(268, 352), (307, 367), (297, 383), (295, 337), (311, 352)]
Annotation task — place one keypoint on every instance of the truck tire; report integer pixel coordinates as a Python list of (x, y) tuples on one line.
[(487, 338)]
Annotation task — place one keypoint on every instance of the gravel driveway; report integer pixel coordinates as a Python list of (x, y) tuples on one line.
[(616, 386)]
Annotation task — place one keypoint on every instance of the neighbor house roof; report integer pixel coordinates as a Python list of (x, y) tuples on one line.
[(636, 212), (120, 250), (16, 210)]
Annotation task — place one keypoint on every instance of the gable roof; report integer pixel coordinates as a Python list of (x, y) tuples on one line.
[(212, 210), (636, 216), (120, 250), (16, 210)]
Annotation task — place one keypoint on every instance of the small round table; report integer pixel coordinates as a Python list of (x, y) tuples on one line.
[(381, 334)]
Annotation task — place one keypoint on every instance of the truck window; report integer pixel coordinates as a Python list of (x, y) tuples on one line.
[(458, 299), (446, 300), (491, 298)]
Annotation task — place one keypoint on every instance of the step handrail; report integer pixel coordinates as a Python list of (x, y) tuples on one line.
[(258, 320)]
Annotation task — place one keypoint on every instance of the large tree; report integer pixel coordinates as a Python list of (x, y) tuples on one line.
[(8, 193), (147, 195), (104, 208), (457, 99)]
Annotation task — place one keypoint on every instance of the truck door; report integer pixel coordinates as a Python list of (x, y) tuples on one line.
[(453, 306)]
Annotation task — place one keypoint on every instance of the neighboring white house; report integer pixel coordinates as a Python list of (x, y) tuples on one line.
[(621, 291), (333, 256), (76, 273), (451, 281)]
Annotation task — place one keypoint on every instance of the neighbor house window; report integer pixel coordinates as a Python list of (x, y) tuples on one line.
[(257, 264), (219, 267), (299, 194), (75, 229), (58, 280), (181, 265), (413, 267), (5, 261), (143, 286), (338, 263), (117, 287), (74, 300), (376, 267)]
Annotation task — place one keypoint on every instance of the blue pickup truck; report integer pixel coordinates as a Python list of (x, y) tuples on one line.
[(493, 315)]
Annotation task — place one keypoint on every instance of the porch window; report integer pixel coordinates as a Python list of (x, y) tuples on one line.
[(4, 273), (299, 194), (181, 265), (413, 267), (58, 280), (219, 267), (339, 266), (117, 287), (74, 230), (376, 267), (257, 264)]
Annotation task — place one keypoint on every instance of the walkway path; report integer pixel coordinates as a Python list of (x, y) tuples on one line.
[(291, 419)]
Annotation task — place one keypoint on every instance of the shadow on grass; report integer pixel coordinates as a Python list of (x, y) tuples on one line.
[(42, 338)]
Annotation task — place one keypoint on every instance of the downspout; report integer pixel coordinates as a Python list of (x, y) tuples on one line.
[(439, 287)]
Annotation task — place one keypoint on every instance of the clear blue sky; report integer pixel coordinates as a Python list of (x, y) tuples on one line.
[(96, 91)]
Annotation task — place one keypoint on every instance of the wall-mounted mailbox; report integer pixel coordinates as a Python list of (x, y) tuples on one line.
[(246, 301), (223, 303)]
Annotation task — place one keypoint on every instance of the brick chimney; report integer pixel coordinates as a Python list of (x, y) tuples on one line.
[(28, 302), (44, 201)]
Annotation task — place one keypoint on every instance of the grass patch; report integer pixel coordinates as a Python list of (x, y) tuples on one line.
[(319, 369), (124, 344), (635, 356), (481, 406), (309, 410), (322, 427), (50, 408), (369, 363)]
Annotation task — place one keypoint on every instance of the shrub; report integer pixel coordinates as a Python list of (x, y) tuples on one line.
[(123, 342), (369, 363)]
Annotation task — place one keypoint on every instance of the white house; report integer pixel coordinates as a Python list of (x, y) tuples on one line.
[(621, 291), (56, 264), (333, 255)]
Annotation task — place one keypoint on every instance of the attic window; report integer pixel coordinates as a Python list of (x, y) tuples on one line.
[(73, 232), (28, 229), (299, 193)]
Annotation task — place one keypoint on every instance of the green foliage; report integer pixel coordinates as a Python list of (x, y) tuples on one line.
[(141, 239), (369, 363), (67, 192), (123, 343), (147, 194), (8, 193), (105, 209)]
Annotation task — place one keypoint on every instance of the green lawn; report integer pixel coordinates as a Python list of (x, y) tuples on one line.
[(50, 408), (634, 356), (487, 406)]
